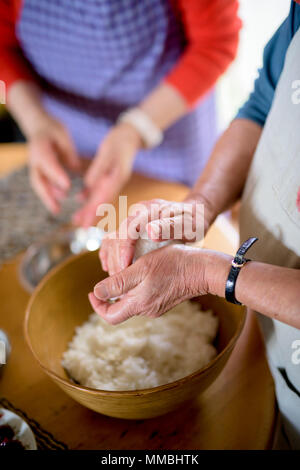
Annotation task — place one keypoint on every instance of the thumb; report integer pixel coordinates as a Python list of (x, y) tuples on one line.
[(166, 229), (101, 193), (50, 165), (118, 284), (68, 151), (97, 168)]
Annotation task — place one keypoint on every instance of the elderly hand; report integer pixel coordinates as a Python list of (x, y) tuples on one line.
[(160, 220), (109, 171), (51, 152), (153, 285)]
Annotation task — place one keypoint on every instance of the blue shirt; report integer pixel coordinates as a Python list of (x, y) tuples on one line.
[(260, 101)]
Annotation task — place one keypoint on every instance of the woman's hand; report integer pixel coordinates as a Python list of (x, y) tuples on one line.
[(163, 278), (112, 166), (51, 153), (51, 150), (153, 285), (160, 220), (109, 171)]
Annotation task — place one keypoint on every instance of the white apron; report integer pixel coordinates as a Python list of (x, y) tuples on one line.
[(269, 211)]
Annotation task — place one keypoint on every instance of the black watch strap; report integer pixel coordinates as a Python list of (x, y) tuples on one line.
[(236, 265)]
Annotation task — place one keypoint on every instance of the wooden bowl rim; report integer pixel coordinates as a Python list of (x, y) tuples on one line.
[(119, 393)]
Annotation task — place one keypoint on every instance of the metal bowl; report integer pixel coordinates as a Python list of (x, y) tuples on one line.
[(42, 256)]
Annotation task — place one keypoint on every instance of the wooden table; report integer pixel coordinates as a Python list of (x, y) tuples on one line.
[(236, 412)]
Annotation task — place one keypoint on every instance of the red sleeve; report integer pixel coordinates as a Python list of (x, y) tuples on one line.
[(212, 33), (13, 65)]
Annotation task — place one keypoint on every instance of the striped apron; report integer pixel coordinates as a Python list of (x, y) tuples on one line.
[(97, 58)]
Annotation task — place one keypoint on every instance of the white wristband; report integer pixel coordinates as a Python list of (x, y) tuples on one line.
[(150, 133)]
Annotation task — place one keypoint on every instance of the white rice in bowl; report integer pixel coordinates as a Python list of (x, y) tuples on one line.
[(142, 352)]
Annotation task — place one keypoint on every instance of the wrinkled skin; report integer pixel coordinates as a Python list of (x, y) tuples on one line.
[(152, 285), (166, 222)]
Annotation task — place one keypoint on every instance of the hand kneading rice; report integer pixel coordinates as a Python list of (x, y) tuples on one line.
[(142, 352)]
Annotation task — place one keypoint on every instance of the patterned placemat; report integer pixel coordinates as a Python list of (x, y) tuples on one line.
[(23, 218), (44, 439)]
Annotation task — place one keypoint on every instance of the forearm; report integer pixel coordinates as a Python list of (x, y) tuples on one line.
[(271, 290), (165, 105), (224, 176), (25, 104)]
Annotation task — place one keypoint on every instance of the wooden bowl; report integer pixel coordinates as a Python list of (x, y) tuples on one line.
[(60, 303)]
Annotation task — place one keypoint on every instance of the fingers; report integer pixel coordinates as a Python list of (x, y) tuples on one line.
[(149, 287), (104, 191), (109, 256), (98, 167), (115, 313), (125, 253), (118, 248), (102, 183), (120, 255), (58, 193), (170, 228), (85, 217), (96, 303), (162, 221), (119, 284), (121, 248), (44, 191), (177, 222), (68, 151), (45, 158), (103, 254), (48, 177)]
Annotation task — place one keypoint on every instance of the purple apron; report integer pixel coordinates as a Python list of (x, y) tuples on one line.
[(97, 58)]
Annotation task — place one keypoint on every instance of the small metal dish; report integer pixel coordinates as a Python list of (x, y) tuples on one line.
[(42, 256)]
